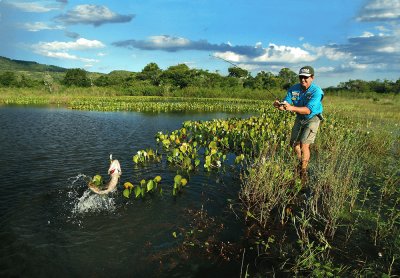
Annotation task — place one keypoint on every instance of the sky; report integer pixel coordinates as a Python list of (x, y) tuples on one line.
[(341, 39)]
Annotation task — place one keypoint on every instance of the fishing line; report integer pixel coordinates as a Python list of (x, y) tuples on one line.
[(236, 66)]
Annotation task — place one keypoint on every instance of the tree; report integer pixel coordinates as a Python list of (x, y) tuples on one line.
[(25, 81), (288, 78), (8, 79), (102, 81), (266, 80), (355, 85), (152, 73), (179, 75), (76, 77), (237, 72), (396, 87)]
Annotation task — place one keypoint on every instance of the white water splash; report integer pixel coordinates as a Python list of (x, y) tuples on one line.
[(89, 201)]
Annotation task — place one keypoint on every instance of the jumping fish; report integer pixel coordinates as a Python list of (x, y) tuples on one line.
[(115, 172)]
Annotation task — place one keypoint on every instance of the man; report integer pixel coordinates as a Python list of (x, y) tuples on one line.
[(305, 99)]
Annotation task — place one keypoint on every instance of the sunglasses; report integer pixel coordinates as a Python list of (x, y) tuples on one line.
[(303, 77)]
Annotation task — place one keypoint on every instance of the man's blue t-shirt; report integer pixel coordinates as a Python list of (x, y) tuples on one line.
[(312, 99)]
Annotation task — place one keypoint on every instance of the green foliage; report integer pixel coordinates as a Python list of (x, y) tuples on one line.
[(179, 75), (361, 87), (152, 73), (7, 64), (103, 81), (179, 183), (143, 188), (76, 77), (237, 72), (287, 77), (152, 81), (143, 156), (8, 79), (266, 80), (97, 180)]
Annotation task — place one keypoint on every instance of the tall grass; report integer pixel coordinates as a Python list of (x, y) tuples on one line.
[(353, 187)]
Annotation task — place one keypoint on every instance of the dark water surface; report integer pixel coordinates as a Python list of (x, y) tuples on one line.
[(52, 226)]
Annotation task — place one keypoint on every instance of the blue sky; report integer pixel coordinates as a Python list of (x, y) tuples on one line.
[(341, 39)]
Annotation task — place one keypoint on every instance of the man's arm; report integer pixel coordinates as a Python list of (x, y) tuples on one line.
[(304, 110)]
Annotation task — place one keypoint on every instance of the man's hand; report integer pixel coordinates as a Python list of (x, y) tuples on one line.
[(288, 107), (279, 105)]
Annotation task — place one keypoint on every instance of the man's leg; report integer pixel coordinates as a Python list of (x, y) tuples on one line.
[(297, 150), (305, 156)]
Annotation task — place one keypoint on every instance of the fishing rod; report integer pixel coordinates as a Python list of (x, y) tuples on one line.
[(236, 66)]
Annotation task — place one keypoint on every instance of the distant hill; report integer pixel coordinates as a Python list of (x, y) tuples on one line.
[(7, 64)]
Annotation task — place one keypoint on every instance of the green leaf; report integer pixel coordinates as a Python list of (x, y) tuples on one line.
[(126, 193), (183, 148), (174, 234), (187, 161), (97, 180), (137, 191), (249, 214), (212, 145), (150, 185), (177, 179), (157, 179)]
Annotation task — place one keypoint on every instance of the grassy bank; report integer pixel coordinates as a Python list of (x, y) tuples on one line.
[(346, 220), (103, 100)]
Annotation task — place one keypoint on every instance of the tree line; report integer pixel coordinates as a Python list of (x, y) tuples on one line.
[(180, 76)]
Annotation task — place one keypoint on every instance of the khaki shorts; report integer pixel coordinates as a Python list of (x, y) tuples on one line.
[(304, 133)]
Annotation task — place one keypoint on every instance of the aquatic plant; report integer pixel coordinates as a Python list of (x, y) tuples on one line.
[(143, 156), (143, 188), (97, 180), (179, 183)]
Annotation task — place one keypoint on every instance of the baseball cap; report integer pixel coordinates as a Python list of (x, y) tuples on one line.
[(306, 71)]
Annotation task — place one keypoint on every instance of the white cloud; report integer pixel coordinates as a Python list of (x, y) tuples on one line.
[(328, 52), (93, 14), (380, 10), (60, 50), (167, 41), (66, 56), (272, 54), (352, 65), (39, 26), (34, 7), (367, 35), (381, 28), (388, 49), (287, 54), (79, 44), (325, 69), (231, 56)]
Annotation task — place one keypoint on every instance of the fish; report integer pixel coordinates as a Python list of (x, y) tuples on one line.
[(115, 173)]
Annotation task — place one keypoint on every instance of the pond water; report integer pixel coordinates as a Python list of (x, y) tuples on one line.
[(51, 225)]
